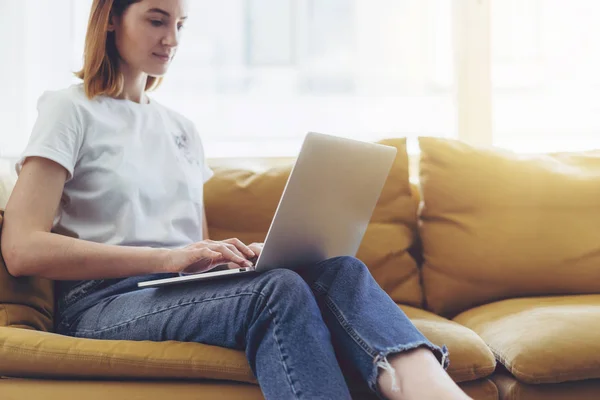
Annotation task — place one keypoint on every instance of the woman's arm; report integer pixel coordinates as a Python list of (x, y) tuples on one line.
[(30, 249)]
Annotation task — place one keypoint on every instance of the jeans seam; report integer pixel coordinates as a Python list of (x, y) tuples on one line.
[(345, 325), (279, 347), (104, 329)]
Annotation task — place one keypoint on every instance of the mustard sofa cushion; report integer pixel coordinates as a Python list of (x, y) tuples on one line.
[(37, 354), (241, 202), (495, 224), (481, 389), (50, 389), (511, 389), (470, 358), (29, 353), (25, 302), (542, 339)]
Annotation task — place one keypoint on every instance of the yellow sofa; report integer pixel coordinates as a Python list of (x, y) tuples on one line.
[(494, 254)]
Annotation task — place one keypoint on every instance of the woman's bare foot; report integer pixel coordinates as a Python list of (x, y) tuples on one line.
[(418, 375)]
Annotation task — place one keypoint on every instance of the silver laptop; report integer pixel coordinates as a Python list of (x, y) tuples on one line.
[(325, 208)]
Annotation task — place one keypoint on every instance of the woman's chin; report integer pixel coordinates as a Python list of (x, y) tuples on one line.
[(157, 71)]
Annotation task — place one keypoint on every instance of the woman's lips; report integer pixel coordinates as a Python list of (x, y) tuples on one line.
[(162, 57)]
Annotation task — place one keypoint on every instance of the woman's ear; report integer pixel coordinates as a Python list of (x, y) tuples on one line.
[(111, 23)]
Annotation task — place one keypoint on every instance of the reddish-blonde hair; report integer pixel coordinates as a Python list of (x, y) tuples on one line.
[(100, 72)]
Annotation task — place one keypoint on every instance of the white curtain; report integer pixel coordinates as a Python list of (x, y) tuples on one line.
[(256, 75)]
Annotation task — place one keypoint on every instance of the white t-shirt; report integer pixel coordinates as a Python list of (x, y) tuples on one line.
[(135, 171)]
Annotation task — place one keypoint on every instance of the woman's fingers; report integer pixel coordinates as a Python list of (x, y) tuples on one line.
[(256, 248), (240, 246), (230, 255), (230, 246)]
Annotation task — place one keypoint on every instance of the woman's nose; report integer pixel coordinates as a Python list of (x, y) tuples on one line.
[(171, 39)]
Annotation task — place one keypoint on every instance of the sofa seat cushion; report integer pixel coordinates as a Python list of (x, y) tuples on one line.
[(48, 389), (511, 389), (470, 358), (30, 353), (542, 339), (481, 389)]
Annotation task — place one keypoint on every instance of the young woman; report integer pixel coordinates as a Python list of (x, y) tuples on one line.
[(110, 193)]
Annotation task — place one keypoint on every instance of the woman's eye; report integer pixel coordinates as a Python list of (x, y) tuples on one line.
[(156, 22), (180, 27)]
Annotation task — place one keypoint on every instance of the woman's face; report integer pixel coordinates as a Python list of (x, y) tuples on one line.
[(148, 33)]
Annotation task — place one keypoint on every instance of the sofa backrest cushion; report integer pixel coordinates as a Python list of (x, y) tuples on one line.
[(25, 302), (495, 224), (241, 202)]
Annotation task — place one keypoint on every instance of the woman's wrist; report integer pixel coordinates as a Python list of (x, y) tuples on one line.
[(163, 256)]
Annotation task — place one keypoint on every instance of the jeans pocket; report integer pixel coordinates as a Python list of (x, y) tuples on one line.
[(79, 290)]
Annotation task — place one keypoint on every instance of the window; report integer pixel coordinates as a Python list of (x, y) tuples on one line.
[(256, 75), (546, 84)]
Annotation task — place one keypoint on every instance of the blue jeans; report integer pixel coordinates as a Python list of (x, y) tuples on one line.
[(309, 334)]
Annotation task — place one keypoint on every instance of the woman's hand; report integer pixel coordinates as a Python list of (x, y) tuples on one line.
[(207, 254), (256, 248)]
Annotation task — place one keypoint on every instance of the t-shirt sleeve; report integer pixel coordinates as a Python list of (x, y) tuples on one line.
[(57, 133), (207, 172)]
